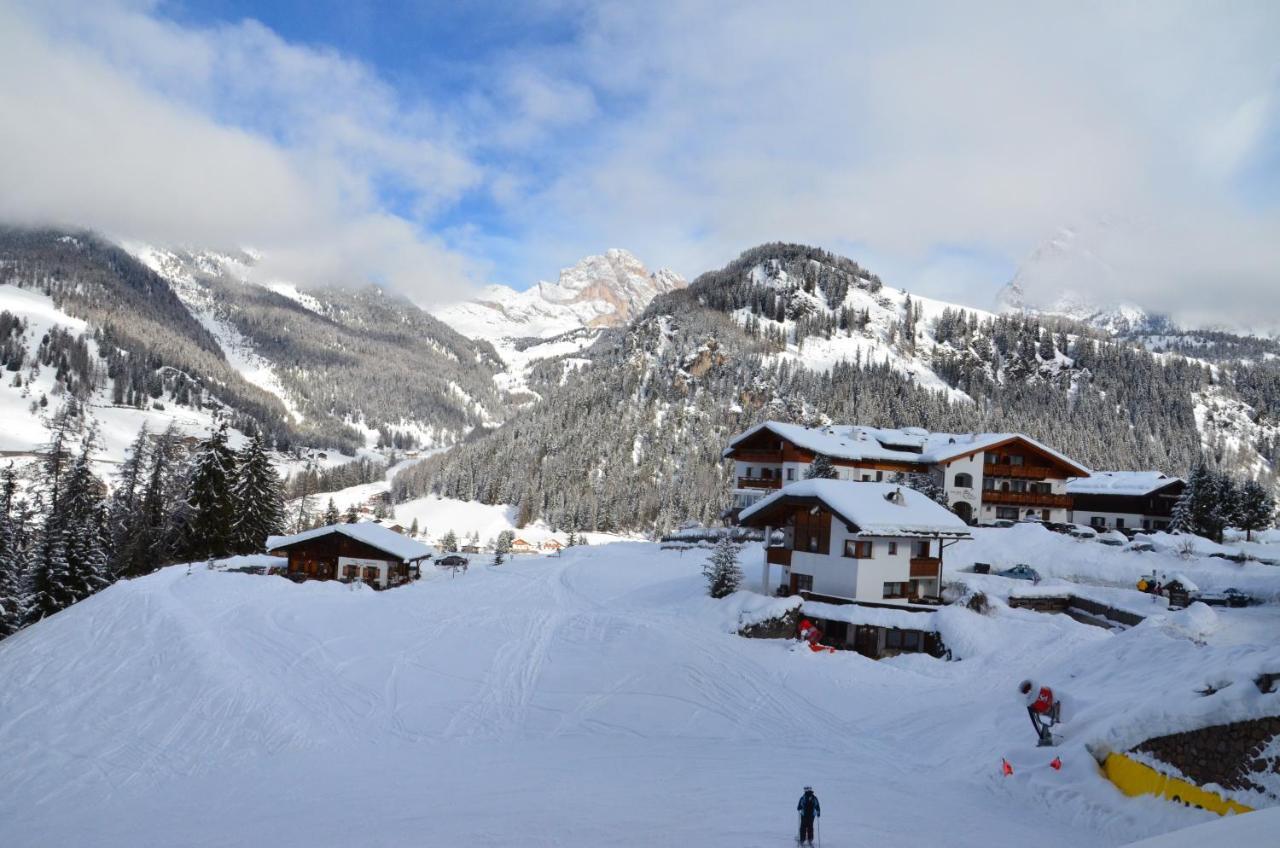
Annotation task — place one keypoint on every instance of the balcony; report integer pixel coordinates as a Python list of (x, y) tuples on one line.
[(926, 567), (759, 483), (1037, 499), (758, 456), (778, 556), (1029, 472)]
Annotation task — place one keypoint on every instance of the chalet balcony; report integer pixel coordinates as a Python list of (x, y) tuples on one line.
[(778, 556), (925, 567), (1028, 472), (759, 457), (759, 483), (1044, 500)]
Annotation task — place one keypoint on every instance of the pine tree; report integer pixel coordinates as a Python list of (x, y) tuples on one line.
[(1256, 509), (449, 544), (413, 528), (1208, 504), (353, 515), (925, 484), (208, 498), (820, 469), (503, 543), (258, 498), (573, 539), (302, 520), (124, 515), (721, 570), (13, 589), (331, 514), (70, 562)]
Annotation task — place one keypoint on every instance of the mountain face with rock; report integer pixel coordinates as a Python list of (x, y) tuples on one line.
[(628, 432), (599, 292)]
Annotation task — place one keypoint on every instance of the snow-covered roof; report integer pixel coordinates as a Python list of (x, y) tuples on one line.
[(906, 444), (374, 535), (877, 509), (1120, 483)]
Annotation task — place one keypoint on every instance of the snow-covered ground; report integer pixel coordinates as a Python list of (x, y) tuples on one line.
[(597, 698)]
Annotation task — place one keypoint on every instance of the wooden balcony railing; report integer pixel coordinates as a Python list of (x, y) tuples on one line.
[(1033, 472), (778, 556), (925, 567), (762, 457), (1040, 499), (759, 483)]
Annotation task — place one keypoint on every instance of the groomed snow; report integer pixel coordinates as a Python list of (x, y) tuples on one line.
[(595, 699)]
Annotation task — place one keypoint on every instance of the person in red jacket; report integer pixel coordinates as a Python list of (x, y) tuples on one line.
[(1044, 709)]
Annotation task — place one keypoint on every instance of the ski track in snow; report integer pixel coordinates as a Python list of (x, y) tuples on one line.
[(587, 699)]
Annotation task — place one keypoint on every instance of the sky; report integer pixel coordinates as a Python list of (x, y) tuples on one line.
[(1124, 151)]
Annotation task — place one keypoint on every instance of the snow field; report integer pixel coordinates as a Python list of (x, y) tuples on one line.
[(597, 698)]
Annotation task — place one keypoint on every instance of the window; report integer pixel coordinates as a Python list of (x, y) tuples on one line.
[(791, 474), (866, 478), (879, 476), (813, 543), (895, 590), (911, 640), (802, 582), (921, 548), (1004, 487), (1009, 513), (893, 636), (766, 473), (988, 484), (1119, 523), (1015, 460), (1098, 521), (989, 458), (751, 472), (1019, 485), (857, 550), (893, 549), (964, 481)]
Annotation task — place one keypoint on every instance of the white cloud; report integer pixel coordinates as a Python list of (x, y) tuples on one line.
[(222, 138)]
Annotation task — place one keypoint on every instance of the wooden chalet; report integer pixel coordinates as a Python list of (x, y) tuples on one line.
[(364, 552)]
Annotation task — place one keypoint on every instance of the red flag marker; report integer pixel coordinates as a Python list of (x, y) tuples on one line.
[(1057, 763), (1006, 768)]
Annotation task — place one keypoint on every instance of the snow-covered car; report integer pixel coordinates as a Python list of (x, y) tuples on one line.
[(1000, 522), (1114, 538), (1230, 597), (1021, 572), (1080, 531), (1141, 547)]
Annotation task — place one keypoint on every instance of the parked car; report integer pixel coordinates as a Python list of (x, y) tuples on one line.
[(452, 561), (1021, 572), (999, 522), (1226, 598), (1114, 538), (1080, 531), (1141, 547)]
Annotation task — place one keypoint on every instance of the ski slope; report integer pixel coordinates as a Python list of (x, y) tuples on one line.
[(597, 698)]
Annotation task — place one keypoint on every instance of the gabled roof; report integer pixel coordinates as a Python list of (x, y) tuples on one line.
[(907, 444), (1128, 483), (374, 535), (875, 509)]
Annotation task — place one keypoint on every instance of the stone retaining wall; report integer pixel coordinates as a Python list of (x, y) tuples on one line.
[(1229, 755)]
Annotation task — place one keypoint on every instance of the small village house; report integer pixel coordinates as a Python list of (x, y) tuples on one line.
[(364, 552), (1125, 500), (986, 476), (522, 546), (551, 546), (863, 542)]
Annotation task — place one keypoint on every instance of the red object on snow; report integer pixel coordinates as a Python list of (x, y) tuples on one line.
[(1005, 767), (1056, 764), (1044, 701)]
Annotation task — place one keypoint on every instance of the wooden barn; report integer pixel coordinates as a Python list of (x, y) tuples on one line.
[(364, 551)]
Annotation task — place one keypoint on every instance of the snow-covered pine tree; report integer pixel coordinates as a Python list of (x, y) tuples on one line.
[(449, 543), (258, 498), (302, 520), (70, 562), (353, 515), (1208, 504), (503, 542), (572, 540), (821, 468), (721, 570), (124, 514), (331, 514), (1256, 509), (13, 588), (923, 483), (413, 528), (208, 498)]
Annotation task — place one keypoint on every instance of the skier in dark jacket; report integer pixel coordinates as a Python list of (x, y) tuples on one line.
[(809, 810)]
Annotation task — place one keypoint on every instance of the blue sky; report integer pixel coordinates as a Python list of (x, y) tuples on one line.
[(437, 147)]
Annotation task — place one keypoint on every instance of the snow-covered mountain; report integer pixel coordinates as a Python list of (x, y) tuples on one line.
[(599, 291)]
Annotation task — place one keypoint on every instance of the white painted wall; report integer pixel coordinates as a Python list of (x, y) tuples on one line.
[(860, 579), (382, 565), (972, 495), (1132, 520)]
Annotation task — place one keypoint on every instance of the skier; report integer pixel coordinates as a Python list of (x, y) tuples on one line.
[(809, 809), (1045, 710)]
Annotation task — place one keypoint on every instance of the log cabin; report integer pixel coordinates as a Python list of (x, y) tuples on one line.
[(987, 477), (363, 552)]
